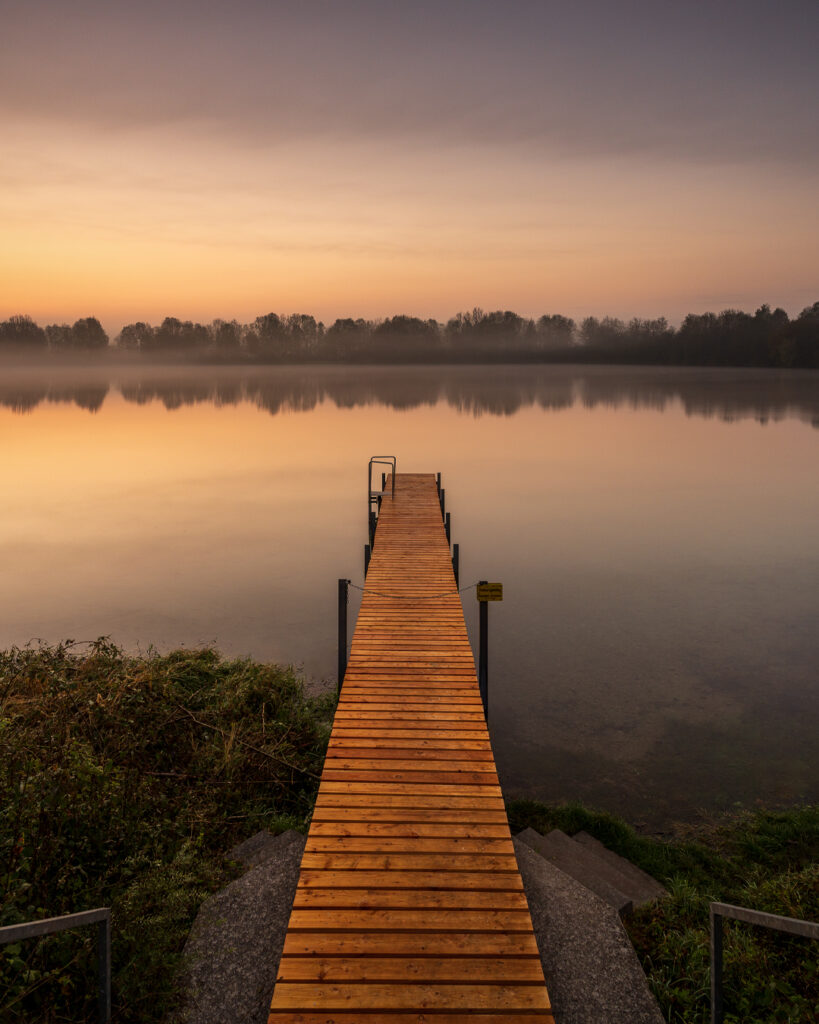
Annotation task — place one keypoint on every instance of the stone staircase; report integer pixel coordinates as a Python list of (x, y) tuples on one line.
[(614, 879), (577, 892)]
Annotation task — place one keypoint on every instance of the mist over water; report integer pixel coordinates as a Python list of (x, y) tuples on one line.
[(655, 530)]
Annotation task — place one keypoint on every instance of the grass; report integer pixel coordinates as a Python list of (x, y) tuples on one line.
[(767, 860), (123, 781)]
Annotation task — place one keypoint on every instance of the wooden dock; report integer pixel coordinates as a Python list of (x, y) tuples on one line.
[(409, 905)]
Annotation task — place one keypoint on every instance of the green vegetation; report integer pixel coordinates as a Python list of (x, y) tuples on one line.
[(765, 860), (123, 781)]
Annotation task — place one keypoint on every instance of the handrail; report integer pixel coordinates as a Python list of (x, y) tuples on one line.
[(383, 460), (374, 497), (101, 916), (791, 925)]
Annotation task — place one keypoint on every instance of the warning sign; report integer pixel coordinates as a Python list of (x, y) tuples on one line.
[(490, 591)]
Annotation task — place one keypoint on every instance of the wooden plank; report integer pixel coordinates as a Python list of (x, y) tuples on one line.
[(331, 996), (405, 814), (410, 906), (408, 844), (416, 830), (408, 862), (411, 1017), (518, 970), (460, 899), (413, 943), (424, 919), (485, 881)]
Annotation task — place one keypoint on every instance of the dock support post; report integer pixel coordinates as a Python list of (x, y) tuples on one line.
[(367, 553), (456, 564), (438, 483), (373, 519), (448, 528), (443, 502), (483, 654), (342, 630)]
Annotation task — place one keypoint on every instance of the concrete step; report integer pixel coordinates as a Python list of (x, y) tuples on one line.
[(591, 970), (641, 887), (582, 864)]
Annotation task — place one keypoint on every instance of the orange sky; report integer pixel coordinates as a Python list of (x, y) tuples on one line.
[(489, 166)]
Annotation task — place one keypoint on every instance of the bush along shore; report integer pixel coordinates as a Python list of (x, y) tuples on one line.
[(766, 860), (124, 780)]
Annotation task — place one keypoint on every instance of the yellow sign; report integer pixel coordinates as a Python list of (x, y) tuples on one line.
[(490, 591)]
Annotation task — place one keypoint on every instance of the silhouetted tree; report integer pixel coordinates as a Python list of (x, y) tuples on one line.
[(555, 331), (346, 338), (227, 335), (88, 333), (271, 333), (21, 332), (60, 336), (138, 337)]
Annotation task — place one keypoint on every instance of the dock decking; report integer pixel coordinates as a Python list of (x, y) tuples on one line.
[(409, 905)]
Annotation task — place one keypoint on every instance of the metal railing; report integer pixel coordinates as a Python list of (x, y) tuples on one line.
[(374, 496), (791, 925), (101, 917)]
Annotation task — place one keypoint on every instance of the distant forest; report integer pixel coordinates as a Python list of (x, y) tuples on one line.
[(731, 338)]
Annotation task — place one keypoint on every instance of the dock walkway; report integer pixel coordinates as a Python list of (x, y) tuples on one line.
[(410, 906)]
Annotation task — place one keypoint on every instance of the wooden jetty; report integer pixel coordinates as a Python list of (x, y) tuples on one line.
[(409, 904)]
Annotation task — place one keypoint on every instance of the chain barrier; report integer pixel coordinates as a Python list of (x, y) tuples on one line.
[(402, 597)]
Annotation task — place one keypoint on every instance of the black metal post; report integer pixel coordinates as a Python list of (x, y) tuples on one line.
[(342, 630), (383, 488), (438, 483), (373, 519), (443, 502), (483, 654), (716, 968), (448, 527), (367, 553), (456, 563), (104, 970)]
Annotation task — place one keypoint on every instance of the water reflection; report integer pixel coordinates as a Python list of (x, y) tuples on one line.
[(656, 649), (728, 394)]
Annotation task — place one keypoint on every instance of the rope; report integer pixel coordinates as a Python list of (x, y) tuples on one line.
[(402, 597)]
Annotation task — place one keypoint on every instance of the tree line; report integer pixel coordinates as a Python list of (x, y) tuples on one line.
[(730, 338)]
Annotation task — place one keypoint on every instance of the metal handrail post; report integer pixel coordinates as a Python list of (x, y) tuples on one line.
[(104, 969), (716, 967)]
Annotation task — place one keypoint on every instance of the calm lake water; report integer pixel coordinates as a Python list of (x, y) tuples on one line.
[(656, 532)]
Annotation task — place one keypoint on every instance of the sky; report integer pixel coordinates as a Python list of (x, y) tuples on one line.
[(358, 158)]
